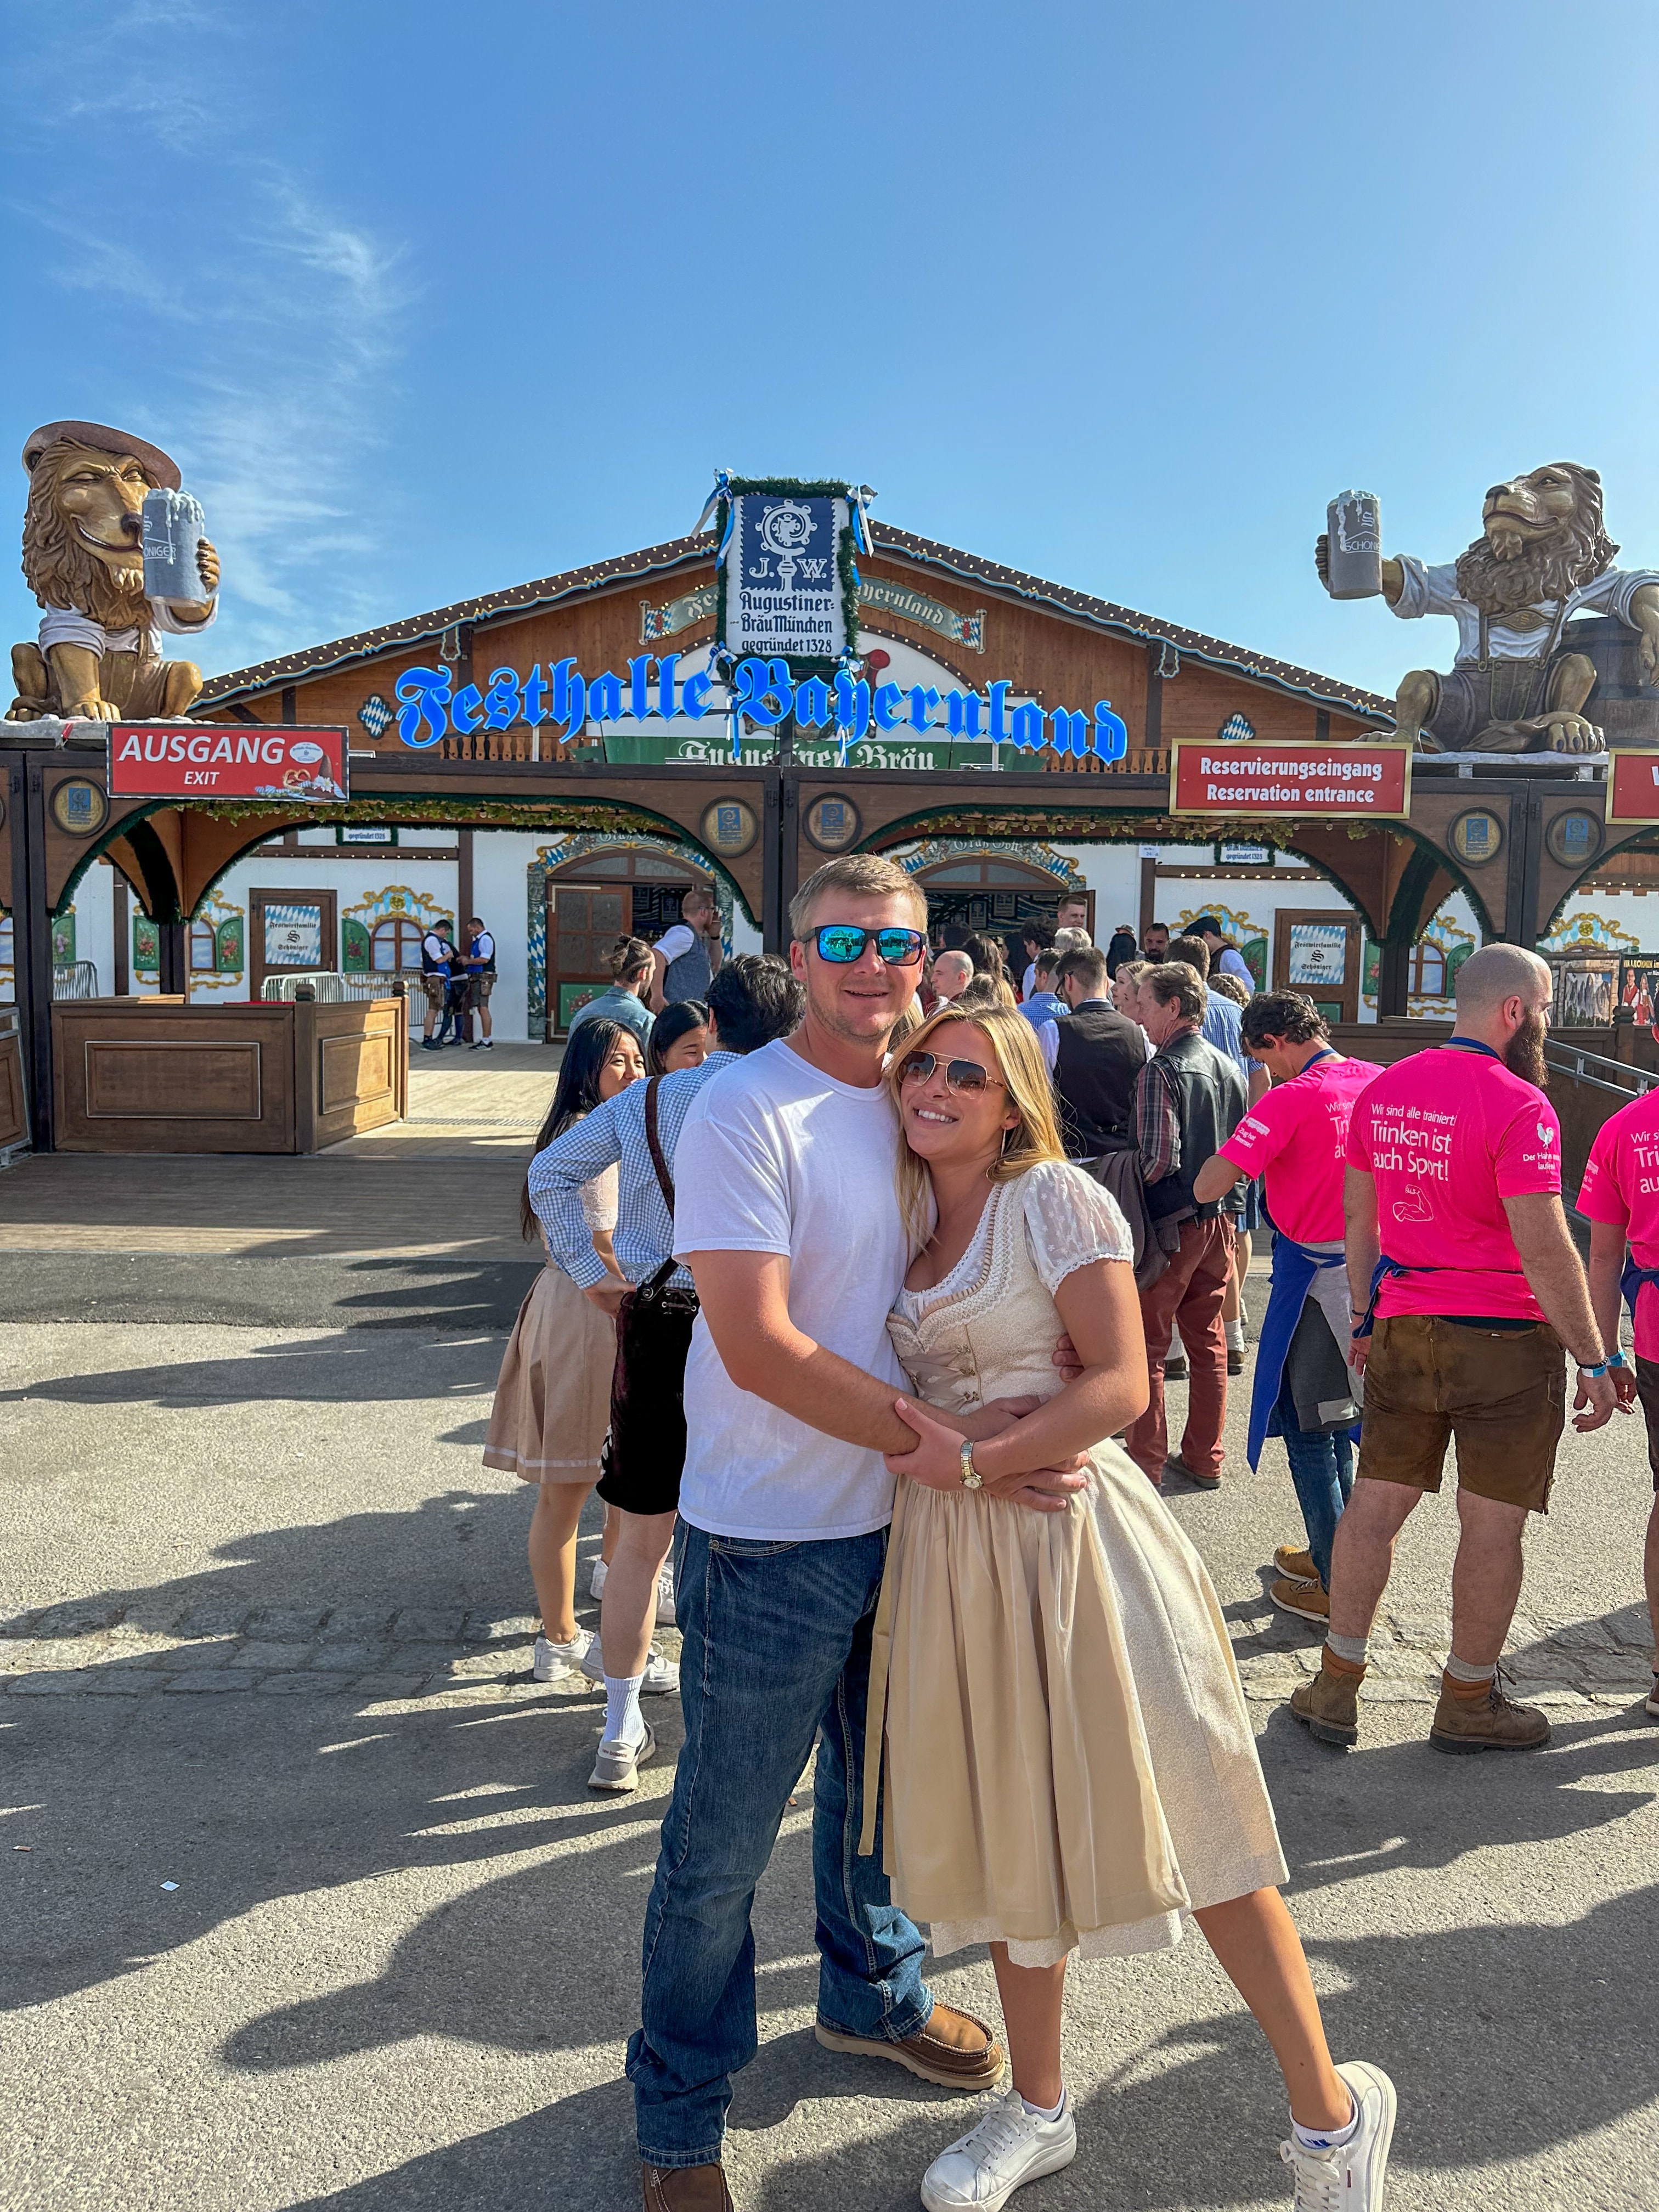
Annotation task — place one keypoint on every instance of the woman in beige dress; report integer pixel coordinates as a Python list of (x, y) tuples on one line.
[(1070, 1764), (553, 1395)]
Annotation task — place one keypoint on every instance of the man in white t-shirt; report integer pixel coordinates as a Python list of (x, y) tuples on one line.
[(788, 1216)]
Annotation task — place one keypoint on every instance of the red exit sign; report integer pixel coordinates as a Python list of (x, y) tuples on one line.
[(1633, 786), (229, 760), (1365, 782)]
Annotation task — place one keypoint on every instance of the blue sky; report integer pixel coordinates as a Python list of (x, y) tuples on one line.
[(427, 300)]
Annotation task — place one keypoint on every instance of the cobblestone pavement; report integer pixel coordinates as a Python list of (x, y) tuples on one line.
[(309, 1905)]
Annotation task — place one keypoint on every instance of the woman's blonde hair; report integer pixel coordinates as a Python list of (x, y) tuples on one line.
[(1019, 1060)]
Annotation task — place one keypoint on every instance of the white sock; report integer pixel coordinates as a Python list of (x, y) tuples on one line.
[(1045, 2111), (1324, 2139), (1235, 1335), (623, 1721)]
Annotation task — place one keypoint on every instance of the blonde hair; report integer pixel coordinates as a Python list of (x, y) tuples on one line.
[(1019, 1061), (855, 872), (988, 990)]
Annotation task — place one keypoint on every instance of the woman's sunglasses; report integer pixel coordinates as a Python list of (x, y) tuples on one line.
[(960, 1074), (842, 943)]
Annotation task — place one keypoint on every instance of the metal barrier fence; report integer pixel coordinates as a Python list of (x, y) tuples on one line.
[(1599, 1072), (79, 979), (328, 987)]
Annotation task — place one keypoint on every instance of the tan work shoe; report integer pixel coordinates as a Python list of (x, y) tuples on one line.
[(685, 2188), (1295, 1567), (954, 2050), (1488, 1721), (1305, 1599), (1328, 1706)]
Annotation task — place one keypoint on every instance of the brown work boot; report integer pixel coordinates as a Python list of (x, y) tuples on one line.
[(954, 2050), (1294, 1563), (685, 2188), (1478, 1717), (1328, 1706), (1307, 1601)]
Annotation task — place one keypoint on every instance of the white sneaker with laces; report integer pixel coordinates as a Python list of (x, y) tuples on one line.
[(665, 1599), (1010, 2146), (618, 1765), (596, 1580), (661, 1675), (1349, 2177), (553, 1661)]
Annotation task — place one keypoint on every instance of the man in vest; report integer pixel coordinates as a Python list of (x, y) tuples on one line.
[(1295, 1137), (481, 979), (1188, 1100), (1460, 1261), (688, 955), (1094, 1054), (436, 953)]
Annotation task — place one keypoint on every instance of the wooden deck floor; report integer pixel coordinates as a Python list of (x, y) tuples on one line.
[(443, 1183)]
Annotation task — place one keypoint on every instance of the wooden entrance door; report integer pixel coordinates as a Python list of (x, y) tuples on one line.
[(290, 930), (1317, 952), (584, 920)]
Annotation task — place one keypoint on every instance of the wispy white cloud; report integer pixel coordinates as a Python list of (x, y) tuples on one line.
[(262, 324)]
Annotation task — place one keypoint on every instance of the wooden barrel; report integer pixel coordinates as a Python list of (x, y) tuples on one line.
[(1623, 705)]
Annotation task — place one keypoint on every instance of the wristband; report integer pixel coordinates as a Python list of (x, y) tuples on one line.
[(1601, 1368), (1616, 1359)]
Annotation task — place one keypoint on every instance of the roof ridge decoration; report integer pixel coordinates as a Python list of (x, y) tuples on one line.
[(886, 539)]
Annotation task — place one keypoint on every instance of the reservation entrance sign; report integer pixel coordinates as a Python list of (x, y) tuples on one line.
[(1633, 786), (199, 760), (1368, 782)]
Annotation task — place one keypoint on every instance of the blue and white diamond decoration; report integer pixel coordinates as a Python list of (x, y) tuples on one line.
[(1236, 728), (375, 712)]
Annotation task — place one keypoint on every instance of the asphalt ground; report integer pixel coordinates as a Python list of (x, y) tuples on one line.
[(264, 1633)]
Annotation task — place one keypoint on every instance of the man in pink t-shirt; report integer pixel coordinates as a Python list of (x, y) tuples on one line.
[(1295, 1137), (1456, 1238), (1619, 1195)]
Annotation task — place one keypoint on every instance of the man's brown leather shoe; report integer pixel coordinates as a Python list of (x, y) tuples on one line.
[(1488, 1720), (685, 2188), (954, 2050)]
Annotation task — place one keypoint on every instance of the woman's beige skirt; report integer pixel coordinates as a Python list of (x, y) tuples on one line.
[(553, 1395), (1070, 1764)]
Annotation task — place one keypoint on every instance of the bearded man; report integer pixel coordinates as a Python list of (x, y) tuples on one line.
[(84, 560), (1542, 557), (1460, 1255)]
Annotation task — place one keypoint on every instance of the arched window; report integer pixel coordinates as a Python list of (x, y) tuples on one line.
[(203, 959), (1429, 970), (395, 943)]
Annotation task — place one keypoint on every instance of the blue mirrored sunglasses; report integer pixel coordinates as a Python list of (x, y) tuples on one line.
[(843, 942)]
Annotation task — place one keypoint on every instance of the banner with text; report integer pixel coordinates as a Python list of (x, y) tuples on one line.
[(198, 760), (1363, 782)]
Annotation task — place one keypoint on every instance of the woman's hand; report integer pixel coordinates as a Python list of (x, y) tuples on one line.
[(936, 1463)]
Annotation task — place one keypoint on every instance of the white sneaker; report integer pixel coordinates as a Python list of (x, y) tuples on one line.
[(665, 1599), (596, 1580), (1009, 2148), (1349, 2177), (553, 1661), (661, 1675), (617, 1766)]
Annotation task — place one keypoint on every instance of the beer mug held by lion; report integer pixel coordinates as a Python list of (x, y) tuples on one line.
[(173, 538), (1353, 565)]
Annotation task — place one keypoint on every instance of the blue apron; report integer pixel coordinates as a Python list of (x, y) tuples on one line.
[(1294, 1268), (1634, 1279)]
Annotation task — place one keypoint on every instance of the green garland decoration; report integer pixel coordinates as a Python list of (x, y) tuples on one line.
[(847, 569)]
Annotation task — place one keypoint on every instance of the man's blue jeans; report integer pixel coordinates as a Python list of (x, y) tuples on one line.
[(1321, 1468), (776, 1652)]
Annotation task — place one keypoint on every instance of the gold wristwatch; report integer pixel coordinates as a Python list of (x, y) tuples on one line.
[(972, 1477)]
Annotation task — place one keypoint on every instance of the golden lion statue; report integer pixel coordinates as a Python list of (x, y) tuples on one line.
[(96, 655), (1542, 556)]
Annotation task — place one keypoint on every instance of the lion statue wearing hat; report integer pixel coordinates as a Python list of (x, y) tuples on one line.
[(96, 656)]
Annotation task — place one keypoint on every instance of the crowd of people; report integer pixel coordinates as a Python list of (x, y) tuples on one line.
[(861, 1314)]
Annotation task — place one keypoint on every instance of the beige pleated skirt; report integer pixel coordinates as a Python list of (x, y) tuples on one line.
[(553, 1395), (1069, 1760)]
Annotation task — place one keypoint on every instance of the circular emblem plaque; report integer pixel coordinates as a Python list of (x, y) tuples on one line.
[(832, 823), (1476, 837), (730, 827), (1574, 837), (80, 808)]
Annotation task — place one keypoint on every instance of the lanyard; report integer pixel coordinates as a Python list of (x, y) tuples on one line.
[(1470, 1044)]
